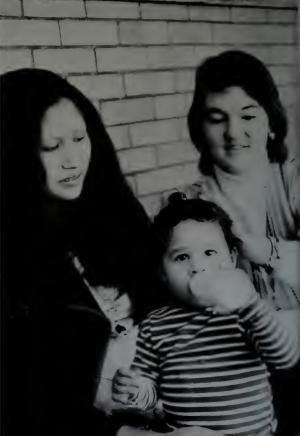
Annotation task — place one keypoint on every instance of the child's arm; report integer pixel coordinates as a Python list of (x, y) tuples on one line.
[(272, 340), (136, 386)]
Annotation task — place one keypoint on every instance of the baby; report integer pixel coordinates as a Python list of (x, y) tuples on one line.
[(207, 354)]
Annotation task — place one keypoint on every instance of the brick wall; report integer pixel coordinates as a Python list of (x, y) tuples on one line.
[(136, 61)]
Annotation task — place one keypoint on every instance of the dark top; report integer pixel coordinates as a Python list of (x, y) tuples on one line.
[(53, 345)]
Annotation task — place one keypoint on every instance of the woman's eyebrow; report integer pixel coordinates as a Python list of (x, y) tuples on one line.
[(250, 106)]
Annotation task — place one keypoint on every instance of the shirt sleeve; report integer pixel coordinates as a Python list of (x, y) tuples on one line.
[(269, 336), (146, 356)]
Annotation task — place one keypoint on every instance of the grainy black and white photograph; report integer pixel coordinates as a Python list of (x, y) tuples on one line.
[(150, 217)]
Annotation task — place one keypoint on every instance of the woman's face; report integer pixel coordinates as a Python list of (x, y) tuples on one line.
[(236, 130), (65, 150)]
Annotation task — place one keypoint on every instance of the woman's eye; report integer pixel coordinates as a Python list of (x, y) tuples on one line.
[(48, 148), (210, 252), (181, 257), (215, 117), (248, 117), (79, 138)]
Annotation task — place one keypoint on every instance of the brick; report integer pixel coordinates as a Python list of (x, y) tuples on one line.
[(185, 80), (28, 32), (119, 136), (171, 56), (155, 132), (121, 59), (284, 75), (281, 16), (151, 204), (288, 95), (260, 3), (255, 34), (137, 159), (163, 12), (14, 59), (88, 32), (183, 128), (149, 83), (187, 33), (170, 106), (166, 178), (110, 9), (143, 33), (126, 111), (176, 152), (54, 8), (10, 8), (209, 13), (102, 86), (131, 182), (65, 60), (250, 15), (277, 54), (205, 51)]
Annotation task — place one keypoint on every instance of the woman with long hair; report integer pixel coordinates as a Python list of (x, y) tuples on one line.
[(75, 241)]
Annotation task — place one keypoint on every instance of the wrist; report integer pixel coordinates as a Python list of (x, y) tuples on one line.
[(249, 306)]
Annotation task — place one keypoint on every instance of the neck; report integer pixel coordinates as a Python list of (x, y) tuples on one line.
[(257, 173)]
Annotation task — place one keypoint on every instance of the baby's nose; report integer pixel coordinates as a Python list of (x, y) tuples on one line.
[(197, 266)]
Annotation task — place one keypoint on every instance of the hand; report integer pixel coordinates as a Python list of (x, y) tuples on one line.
[(125, 385), (225, 290)]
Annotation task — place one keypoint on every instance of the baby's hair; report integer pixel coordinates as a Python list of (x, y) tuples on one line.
[(179, 209)]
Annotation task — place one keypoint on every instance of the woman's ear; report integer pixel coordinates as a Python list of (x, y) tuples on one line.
[(234, 256)]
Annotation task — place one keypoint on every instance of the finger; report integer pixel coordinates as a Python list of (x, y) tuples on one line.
[(126, 372), (122, 399)]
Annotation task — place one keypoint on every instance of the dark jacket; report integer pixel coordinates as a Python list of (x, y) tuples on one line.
[(54, 343)]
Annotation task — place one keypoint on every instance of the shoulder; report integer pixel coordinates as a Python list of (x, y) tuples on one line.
[(289, 170), (168, 315)]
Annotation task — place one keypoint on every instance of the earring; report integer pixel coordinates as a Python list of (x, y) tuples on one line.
[(272, 136)]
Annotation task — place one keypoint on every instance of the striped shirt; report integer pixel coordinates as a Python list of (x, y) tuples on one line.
[(210, 370)]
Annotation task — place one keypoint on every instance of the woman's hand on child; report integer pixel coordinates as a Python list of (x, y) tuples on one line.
[(126, 385), (224, 291)]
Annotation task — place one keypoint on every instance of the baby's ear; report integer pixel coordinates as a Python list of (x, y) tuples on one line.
[(161, 274)]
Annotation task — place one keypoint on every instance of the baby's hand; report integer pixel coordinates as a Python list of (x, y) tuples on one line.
[(126, 385), (224, 291)]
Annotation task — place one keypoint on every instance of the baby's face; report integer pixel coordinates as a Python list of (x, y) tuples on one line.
[(194, 247)]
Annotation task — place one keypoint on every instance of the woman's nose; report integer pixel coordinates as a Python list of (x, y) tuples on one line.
[(233, 129), (70, 159)]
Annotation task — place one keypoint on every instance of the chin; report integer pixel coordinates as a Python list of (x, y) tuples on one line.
[(70, 195)]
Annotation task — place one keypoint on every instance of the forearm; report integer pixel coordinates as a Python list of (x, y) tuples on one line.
[(133, 431), (271, 338)]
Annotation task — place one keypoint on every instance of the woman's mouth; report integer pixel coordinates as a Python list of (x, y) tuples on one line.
[(70, 179), (235, 147)]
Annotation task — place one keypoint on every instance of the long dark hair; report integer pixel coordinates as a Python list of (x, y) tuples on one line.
[(237, 68), (106, 227)]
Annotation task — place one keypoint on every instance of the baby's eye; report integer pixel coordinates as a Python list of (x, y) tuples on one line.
[(181, 257), (210, 252)]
